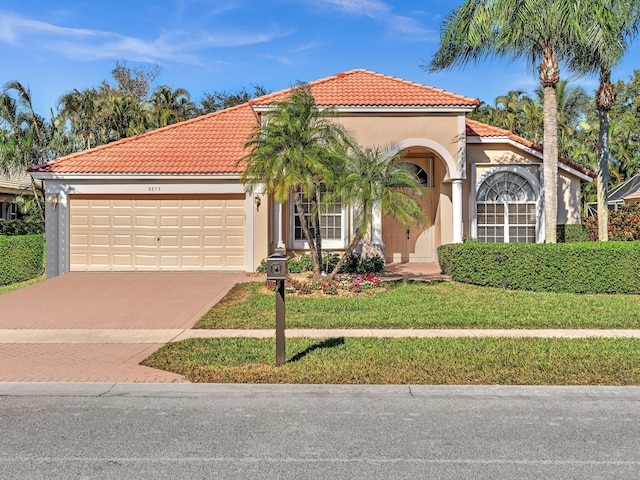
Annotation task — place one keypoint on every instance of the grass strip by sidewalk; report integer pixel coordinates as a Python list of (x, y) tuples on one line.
[(486, 361), (17, 286), (427, 305)]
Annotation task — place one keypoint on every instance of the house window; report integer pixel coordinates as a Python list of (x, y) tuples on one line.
[(506, 209), (423, 176), (332, 224), (8, 210)]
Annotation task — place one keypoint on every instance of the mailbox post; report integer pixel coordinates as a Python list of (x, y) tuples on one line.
[(277, 269)]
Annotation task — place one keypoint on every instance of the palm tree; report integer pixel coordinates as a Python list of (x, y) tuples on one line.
[(572, 104), (509, 108), (24, 139), (616, 23), (373, 176), (82, 109), (170, 106), (542, 31), (295, 151)]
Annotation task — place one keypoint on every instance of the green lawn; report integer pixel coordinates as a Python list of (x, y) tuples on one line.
[(505, 361), (427, 305), (16, 286)]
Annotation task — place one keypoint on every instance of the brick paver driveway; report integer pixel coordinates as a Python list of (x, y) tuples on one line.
[(105, 300)]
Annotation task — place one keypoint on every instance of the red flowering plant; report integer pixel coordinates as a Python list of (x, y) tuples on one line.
[(329, 288)]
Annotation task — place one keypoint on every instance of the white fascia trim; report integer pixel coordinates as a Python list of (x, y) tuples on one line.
[(530, 151), (131, 176), (379, 109)]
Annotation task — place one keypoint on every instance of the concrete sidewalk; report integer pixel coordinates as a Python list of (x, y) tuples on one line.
[(160, 336)]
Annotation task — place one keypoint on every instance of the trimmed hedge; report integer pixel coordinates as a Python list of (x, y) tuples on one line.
[(585, 267), (20, 258)]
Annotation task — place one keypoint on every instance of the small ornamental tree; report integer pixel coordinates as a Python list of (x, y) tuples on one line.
[(374, 177), (297, 149)]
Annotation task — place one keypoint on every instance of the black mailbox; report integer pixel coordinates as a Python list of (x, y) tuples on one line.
[(277, 265)]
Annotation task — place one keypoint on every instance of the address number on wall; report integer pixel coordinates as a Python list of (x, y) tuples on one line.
[(154, 189)]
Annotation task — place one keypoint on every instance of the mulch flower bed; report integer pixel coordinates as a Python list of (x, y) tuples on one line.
[(343, 285)]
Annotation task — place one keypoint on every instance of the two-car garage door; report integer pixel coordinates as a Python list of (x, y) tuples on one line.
[(160, 232)]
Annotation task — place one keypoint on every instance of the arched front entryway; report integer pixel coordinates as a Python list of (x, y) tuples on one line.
[(414, 244)]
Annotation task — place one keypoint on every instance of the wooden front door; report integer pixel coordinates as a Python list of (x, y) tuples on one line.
[(413, 244)]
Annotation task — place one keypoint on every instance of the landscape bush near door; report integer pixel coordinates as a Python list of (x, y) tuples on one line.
[(586, 267), (20, 258)]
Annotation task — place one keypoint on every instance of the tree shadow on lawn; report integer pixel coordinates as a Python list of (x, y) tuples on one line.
[(328, 343)]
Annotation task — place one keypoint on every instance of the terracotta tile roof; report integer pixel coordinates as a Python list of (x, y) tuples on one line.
[(214, 143), (363, 88), (479, 129), (208, 144)]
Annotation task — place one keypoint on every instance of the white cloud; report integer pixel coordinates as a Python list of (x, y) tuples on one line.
[(383, 12), (306, 47), (370, 8), (14, 26), (83, 44), (280, 59)]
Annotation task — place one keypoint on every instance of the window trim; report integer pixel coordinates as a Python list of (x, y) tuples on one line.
[(302, 244), (528, 176), (428, 170)]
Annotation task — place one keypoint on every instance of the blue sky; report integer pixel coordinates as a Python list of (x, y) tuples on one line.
[(209, 45)]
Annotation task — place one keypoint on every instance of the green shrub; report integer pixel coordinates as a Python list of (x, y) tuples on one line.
[(20, 258), (357, 264), (353, 264), (21, 227), (302, 263), (572, 233), (624, 223), (583, 267)]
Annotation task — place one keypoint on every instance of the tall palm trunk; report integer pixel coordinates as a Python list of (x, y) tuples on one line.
[(605, 97), (549, 77)]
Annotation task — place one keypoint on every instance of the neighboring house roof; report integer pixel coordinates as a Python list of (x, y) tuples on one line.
[(363, 88), (15, 183), (628, 190), (483, 130)]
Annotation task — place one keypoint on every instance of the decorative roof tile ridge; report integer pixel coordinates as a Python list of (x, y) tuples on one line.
[(421, 85), (267, 98), (135, 138)]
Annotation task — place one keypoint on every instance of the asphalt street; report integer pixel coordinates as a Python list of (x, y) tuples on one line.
[(184, 431)]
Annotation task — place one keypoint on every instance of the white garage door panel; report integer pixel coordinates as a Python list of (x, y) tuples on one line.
[(157, 233)]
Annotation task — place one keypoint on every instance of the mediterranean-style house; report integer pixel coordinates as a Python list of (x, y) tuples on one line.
[(171, 199)]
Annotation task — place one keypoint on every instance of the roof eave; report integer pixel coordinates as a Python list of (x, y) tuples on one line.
[(531, 151), (134, 176)]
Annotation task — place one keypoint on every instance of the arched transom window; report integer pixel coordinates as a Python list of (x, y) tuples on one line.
[(506, 209)]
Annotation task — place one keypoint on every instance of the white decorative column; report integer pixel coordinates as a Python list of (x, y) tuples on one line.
[(277, 226), (376, 230), (64, 207), (456, 200)]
